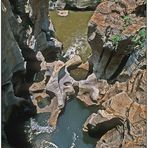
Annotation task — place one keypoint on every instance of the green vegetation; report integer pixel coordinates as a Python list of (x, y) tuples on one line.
[(127, 20), (116, 39), (140, 38)]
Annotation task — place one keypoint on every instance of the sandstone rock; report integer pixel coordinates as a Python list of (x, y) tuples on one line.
[(119, 101), (110, 34), (62, 12), (89, 86), (50, 94)]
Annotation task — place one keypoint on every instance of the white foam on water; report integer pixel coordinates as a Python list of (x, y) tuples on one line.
[(47, 144), (78, 44), (74, 138), (36, 129)]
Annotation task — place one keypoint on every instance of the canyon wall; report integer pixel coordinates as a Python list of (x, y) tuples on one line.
[(26, 29), (116, 34)]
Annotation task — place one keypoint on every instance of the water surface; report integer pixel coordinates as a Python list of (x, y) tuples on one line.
[(72, 30)]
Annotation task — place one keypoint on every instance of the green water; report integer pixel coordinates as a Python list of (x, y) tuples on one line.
[(71, 28)]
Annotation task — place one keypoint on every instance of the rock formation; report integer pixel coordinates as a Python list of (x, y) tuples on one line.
[(127, 101), (116, 34), (74, 4), (31, 69), (58, 85), (26, 29)]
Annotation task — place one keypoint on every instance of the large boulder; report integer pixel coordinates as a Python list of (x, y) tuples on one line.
[(116, 34)]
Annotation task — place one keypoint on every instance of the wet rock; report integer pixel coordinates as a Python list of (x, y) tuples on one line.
[(111, 31)]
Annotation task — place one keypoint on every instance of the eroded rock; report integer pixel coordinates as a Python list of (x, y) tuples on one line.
[(58, 85), (111, 31), (73, 4), (120, 101)]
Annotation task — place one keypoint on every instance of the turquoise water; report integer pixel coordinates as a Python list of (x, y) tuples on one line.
[(69, 129), (68, 133)]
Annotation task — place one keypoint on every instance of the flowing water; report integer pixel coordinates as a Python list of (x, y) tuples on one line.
[(68, 133), (72, 32)]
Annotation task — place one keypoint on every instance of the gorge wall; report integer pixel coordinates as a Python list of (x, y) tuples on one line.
[(26, 29), (117, 85), (116, 34)]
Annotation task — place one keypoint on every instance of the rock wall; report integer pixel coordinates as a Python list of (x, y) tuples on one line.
[(74, 4), (121, 121), (26, 29), (116, 34)]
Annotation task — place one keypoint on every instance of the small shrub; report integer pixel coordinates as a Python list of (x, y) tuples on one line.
[(127, 20), (116, 39), (140, 38)]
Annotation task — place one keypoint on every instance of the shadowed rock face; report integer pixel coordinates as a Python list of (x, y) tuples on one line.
[(110, 34), (26, 29), (98, 130)]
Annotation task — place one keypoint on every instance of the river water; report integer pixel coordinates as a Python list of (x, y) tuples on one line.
[(68, 133), (71, 31)]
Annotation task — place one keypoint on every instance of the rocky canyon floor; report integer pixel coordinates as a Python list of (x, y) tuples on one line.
[(74, 74)]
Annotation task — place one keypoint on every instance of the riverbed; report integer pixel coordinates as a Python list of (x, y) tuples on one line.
[(72, 32)]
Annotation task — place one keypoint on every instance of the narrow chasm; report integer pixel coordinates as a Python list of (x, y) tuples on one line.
[(73, 73)]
